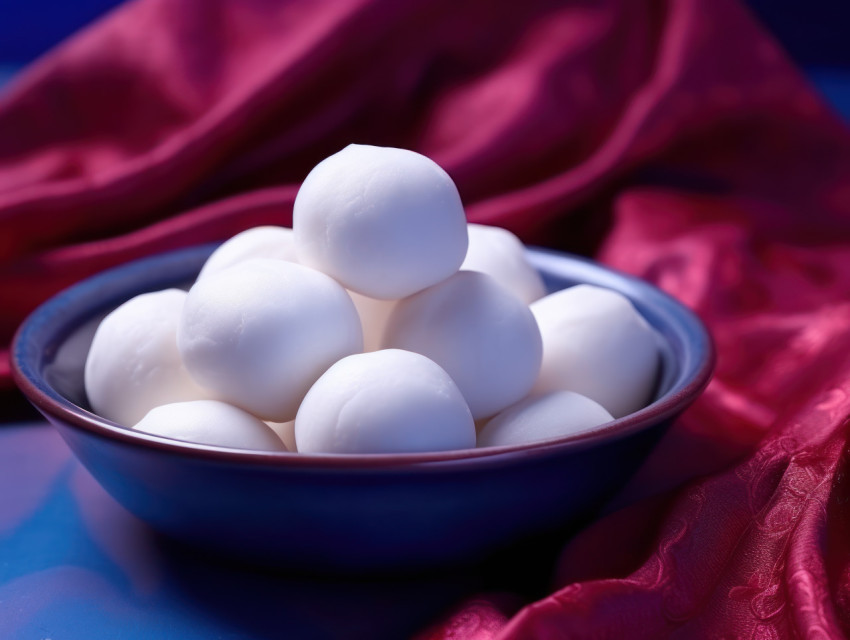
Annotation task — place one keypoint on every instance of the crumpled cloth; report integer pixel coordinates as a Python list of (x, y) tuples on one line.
[(670, 139)]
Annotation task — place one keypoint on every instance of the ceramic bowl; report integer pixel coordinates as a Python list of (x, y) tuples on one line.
[(349, 512)]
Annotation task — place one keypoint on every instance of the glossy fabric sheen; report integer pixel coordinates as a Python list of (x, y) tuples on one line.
[(672, 140)]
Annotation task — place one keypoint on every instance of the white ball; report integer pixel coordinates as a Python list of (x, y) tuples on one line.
[(262, 332), (210, 422), (286, 432), (536, 418), (384, 222), (133, 364), (258, 242), (479, 332), (387, 401), (501, 255), (596, 343), (373, 314)]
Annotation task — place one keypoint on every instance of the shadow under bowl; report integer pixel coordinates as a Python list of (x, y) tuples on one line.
[(343, 513)]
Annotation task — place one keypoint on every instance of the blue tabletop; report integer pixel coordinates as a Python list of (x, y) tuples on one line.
[(75, 565)]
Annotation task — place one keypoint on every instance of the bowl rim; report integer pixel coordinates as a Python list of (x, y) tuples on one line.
[(689, 384)]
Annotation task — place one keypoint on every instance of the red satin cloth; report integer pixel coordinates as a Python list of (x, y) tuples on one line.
[(671, 139)]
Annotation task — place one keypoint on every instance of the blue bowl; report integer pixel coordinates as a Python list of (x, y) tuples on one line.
[(349, 512)]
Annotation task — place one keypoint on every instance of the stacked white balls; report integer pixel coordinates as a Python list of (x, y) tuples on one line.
[(266, 351)]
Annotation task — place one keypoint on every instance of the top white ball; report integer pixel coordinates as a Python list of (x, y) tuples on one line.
[(384, 222)]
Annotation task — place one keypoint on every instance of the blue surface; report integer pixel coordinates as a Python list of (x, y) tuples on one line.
[(7, 71), (814, 32), (28, 28), (834, 85), (74, 565)]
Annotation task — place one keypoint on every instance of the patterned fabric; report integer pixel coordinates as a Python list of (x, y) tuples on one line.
[(668, 138)]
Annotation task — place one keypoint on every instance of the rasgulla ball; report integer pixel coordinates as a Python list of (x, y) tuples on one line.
[(596, 343), (258, 242), (133, 364), (479, 332), (384, 222), (260, 333), (210, 422), (553, 415), (500, 254), (373, 314), (387, 401)]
